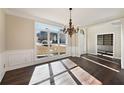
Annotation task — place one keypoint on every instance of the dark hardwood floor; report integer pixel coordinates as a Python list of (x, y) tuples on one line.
[(20, 76), (107, 62), (107, 76)]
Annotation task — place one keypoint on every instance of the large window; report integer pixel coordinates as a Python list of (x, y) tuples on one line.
[(50, 41)]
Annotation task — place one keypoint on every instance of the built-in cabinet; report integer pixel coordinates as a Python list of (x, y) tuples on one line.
[(105, 44)]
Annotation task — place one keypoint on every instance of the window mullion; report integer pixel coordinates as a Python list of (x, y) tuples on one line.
[(58, 44), (48, 38)]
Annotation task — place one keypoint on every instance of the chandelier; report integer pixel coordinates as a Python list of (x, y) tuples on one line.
[(70, 29)]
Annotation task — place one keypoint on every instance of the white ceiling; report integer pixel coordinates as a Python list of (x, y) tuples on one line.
[(80, 16)]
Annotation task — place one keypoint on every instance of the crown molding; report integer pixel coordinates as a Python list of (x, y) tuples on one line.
[(106, 20), (50, 22)]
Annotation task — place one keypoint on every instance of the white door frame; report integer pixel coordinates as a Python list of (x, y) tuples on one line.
[(122, 44)]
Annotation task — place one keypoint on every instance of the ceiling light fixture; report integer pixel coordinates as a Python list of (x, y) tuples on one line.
[(70, 29)]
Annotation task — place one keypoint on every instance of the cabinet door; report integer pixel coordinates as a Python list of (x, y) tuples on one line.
[(100, 40), (108, 39)]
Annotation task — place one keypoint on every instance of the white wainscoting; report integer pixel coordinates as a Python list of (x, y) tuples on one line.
[(19, 58), (2, 62), (22, 58)]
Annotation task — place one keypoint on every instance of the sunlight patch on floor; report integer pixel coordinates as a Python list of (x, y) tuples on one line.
[(64, 79), (69, 63), (57, 67), (84, 77), (40, 73)]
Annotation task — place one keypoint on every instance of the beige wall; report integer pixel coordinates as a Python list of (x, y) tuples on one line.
[(19, 33), (104, 29), (2, 31), (2, 43)]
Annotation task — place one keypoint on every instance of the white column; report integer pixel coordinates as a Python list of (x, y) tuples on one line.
[(122, 43), (68, 49), (79, 44)]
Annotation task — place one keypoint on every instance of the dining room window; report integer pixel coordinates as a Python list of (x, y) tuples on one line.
[(50, 40)]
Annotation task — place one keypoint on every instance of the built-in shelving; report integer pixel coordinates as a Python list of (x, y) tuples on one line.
[(105, 44)]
